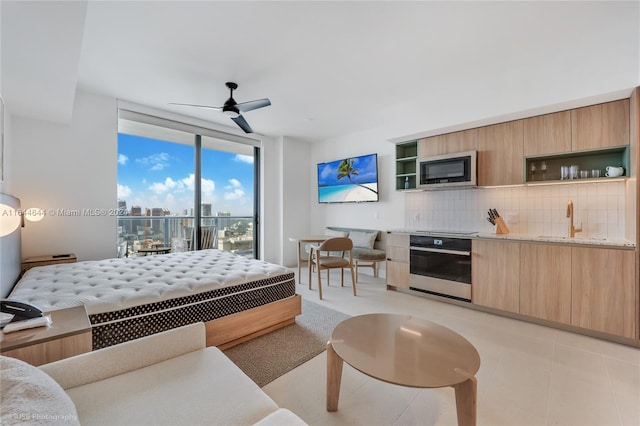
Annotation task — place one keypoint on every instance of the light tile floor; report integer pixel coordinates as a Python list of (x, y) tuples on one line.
[(529, 374)]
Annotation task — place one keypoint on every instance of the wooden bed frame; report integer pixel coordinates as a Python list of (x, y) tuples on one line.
[(237, 328)]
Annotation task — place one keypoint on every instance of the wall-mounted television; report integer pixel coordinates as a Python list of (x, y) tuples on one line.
[(350, 180)]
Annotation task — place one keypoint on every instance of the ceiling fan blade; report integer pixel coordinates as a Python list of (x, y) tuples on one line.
[(251, 105), (198, 106), (242, 123)]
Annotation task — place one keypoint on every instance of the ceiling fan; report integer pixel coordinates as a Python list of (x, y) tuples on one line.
[(233, 109)]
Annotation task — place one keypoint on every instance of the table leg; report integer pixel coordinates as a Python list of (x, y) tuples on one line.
[(334, 377), (299, 261), (466, 402)]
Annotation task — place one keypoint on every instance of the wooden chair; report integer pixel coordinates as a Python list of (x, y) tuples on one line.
[(208, 237), (332, 254)]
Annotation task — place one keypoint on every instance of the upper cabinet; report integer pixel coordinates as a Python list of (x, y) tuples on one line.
[(600, 126), (547, 133), (535, 149), (500, 152), (450, 143), (591, 138)]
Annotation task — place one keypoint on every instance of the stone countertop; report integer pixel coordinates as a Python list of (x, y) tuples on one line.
[(599, 242)]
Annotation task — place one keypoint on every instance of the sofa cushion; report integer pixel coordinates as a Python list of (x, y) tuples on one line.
[(29, 396), (371, 255), (199, 387), (363, 239), (335, 233)]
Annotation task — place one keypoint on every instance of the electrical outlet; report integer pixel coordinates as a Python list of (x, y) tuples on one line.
[(513, 218)]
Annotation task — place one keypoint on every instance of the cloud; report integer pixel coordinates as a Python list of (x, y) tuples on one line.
[(122, 159), (244, 158), (207, 186), (123, 191), (167, 185), (155, 162), (235, 191)]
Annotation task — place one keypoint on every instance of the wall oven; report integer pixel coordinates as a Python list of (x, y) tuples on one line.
[(441, 265)]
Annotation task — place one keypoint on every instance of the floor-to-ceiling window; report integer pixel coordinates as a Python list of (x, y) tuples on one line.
[(185, 188)]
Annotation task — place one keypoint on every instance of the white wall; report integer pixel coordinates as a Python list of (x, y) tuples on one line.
[(297, 197), (388, 213), (63, 168), (271, 203)]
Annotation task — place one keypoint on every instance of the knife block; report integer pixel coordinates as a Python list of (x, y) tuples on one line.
[(501, 227)]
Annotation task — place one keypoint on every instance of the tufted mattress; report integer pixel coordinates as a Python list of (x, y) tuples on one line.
[(135, 297)]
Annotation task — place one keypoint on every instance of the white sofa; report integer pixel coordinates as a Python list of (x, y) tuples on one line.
[(166, 378)]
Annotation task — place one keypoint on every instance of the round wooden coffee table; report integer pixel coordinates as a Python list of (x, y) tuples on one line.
[(406, 351)]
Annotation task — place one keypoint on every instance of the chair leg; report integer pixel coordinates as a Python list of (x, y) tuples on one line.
[(319, 283), (341, 277), (353, 279), (375, 269), (356, 267)]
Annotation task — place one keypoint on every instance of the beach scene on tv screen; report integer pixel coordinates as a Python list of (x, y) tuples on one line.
[(348, 180)]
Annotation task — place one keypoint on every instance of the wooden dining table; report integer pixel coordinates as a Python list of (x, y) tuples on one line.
[(302, 257)]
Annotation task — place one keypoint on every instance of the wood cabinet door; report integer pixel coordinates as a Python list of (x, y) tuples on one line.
[(545, 282), (398, 274), (600, 126), (495, 274), (463, 141), (500, 154), (603, 296), (547, 134), (433, 145)]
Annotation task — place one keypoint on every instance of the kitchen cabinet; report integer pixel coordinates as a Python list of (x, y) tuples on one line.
[(603, 296), (450, 143), (406, 159), (600, 126), (545, 282), (500, 153), (397, 260), (549, 133), (495, 274)]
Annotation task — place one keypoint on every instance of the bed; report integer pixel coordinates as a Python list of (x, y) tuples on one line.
[(127, 298)]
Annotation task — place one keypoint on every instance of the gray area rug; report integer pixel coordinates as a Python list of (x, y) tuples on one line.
[(268, 357)]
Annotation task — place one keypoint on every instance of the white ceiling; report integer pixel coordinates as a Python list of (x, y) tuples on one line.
[(329, 68)]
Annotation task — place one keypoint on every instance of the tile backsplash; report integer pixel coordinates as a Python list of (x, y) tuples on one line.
[(529, 210)]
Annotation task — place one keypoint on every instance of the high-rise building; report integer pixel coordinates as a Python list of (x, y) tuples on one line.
[(224, 223)]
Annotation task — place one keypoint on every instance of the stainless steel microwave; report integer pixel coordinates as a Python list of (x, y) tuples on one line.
[(449, 170)]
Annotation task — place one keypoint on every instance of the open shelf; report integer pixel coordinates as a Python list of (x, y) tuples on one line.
[(406, 158), (585, 160)]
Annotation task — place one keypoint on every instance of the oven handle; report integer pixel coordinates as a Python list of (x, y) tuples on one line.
[(443, 251)]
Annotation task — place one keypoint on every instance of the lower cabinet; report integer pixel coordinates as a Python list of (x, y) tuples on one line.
[(592, 288), (604, 290), (397, 260), (495, 274), (545, 282)]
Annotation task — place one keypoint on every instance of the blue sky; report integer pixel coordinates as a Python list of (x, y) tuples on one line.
[(153, 173), (366, 166)]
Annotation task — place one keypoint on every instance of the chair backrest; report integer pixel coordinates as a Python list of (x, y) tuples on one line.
[(336, 244), (123, 249), (208, 237)]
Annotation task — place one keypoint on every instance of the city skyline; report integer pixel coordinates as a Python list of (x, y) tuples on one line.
[(160, 174)]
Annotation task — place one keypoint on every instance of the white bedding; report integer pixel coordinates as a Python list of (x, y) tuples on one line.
[(114, 284)]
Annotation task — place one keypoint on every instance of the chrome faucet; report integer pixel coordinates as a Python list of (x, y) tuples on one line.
[(572, 229)]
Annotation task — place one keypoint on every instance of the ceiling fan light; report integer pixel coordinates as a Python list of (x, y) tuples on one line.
[(230, 110), (231, 113)]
